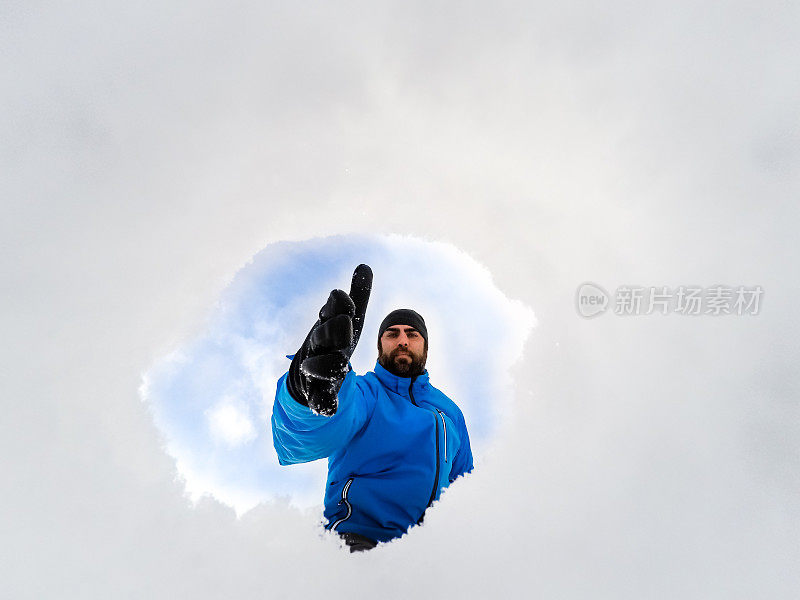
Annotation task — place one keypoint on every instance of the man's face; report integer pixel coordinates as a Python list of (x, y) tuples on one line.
[(402, 351)]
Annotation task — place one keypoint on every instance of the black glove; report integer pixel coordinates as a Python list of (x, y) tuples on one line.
[(320, 366)]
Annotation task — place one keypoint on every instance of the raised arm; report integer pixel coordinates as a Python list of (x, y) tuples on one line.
[(318, 406), (300, 435)]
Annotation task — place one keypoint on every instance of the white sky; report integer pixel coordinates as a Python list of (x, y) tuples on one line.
[(148, 152)]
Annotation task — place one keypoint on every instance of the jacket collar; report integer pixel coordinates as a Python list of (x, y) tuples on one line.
[(398, 384)]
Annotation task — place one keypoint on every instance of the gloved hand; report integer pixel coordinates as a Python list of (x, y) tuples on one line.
[(320, 366)]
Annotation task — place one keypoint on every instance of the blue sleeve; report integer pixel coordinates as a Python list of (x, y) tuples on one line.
[(462, 463), (301, 436)]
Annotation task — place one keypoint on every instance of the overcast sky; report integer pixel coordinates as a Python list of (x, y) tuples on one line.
[(149, 153)]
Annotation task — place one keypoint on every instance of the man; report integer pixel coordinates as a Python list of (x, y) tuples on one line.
[(393, 441)]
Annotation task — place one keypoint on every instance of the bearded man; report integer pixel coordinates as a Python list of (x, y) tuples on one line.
[(393, 441)]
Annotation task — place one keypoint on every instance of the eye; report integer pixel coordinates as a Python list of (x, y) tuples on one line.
[(412, 334)]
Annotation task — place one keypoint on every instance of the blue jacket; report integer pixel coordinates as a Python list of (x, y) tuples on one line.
[(392, 446)]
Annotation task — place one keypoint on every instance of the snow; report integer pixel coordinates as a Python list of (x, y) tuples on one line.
[(151, 150)]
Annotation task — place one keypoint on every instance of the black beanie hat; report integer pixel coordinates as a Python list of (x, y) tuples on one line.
[(404, 316)]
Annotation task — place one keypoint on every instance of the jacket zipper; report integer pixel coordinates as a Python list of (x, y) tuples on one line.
[(436, 423), (444, 428), (344, 499)]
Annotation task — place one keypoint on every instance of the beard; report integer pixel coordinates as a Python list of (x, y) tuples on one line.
[(403, 363)]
